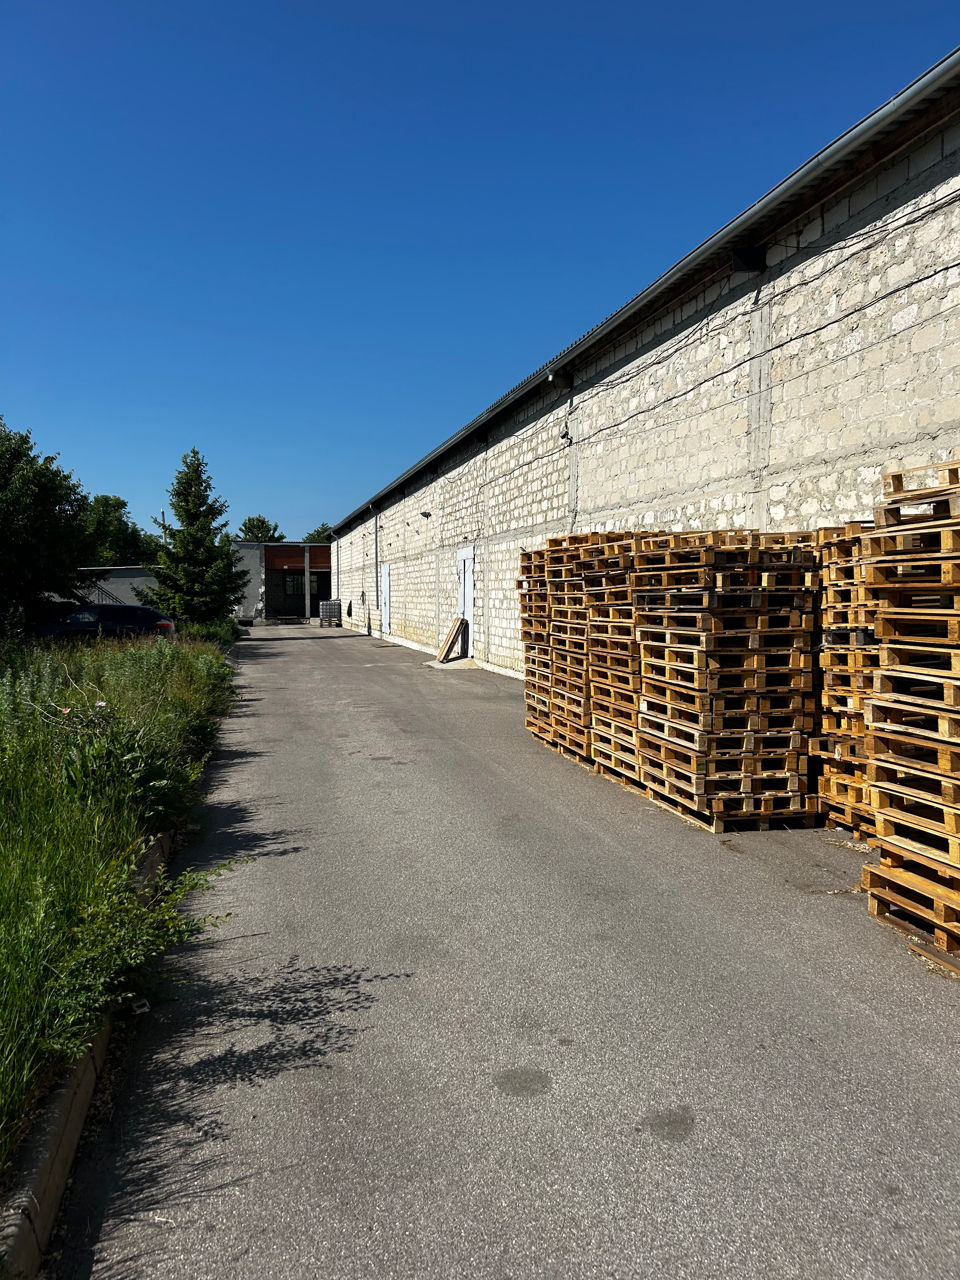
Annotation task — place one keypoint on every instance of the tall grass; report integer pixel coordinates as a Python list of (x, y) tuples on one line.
[(101, 746)]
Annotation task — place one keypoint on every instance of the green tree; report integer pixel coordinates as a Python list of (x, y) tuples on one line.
[(198, 575), (112, 537), (260, 529), (322, 533), (41, 506)]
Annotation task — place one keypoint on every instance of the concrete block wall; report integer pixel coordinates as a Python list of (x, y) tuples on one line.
[(770, 401)]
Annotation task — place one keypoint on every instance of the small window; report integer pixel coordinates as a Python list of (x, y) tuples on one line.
[(293, 584)]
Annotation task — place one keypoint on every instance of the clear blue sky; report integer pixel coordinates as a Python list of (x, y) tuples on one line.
[(315, 240)]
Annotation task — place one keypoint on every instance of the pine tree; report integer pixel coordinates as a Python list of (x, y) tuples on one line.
[(198, 575)]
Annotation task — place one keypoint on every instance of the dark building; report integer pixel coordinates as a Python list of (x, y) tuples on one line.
[(284, 570)]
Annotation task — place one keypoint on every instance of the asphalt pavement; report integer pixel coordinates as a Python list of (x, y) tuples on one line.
[(476, 1012)]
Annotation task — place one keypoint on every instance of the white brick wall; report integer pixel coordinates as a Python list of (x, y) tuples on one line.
[(770, 401)]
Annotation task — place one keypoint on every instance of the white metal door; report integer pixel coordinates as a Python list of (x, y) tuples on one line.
[(385, 599), (465, 593)]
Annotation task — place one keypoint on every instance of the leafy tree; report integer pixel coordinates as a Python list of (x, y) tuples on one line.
[(112, 536), (260, 529), (322, 533), (199, 578), (41, 506)]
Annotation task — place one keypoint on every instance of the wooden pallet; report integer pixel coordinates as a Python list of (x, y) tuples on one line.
[(923, 689), (919, 720), (912, 541), (920, 659), (912, 572), (924, 627), (918, 783), (921, 507), (912, 752), (907, 837), (906, 896), (921, 479)]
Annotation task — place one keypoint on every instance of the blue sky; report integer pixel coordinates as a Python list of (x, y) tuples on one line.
[(314, 244)]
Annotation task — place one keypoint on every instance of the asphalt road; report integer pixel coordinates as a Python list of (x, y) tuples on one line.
[(479, 1013)]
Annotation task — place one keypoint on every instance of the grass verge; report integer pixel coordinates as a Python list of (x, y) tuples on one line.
[(101, 746)]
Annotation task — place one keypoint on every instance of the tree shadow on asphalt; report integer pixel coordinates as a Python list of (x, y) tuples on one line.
[(158, 1157), (229, 830)]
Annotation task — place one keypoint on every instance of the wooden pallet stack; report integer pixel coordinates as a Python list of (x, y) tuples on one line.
[(724, 624), (613, 656), (535, 634), (569, 681), (849, 654), (913, 718)]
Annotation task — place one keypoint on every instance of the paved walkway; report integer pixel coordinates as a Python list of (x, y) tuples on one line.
[(478, 1013)]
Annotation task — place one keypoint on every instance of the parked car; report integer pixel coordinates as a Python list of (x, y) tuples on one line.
[(107, 620)]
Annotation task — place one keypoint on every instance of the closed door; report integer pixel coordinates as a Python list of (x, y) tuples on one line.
[(465, 593), (385, 599)]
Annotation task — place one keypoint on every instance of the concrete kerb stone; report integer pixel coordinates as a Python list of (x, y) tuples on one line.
[(47, 1152)]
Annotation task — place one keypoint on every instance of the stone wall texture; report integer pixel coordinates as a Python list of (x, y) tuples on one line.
[(770, 401)]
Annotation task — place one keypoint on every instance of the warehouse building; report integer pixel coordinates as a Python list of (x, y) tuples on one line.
[(764, 381)]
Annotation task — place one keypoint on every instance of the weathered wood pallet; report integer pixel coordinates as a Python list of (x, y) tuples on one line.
[(913, 900), (913, 752), (622, 645), (611, 758), (926, 627), (919, 783), (766, 811), (915, 540), (623, 709), (568, 710), (920, 659), (537, 703), (921, 479), (571, 663), (889, 715), (927, 813), (912, 571), (922, 689), (923, 506), (627, 776), (908, 836), (564, 686), (851, 657), (859, 822)]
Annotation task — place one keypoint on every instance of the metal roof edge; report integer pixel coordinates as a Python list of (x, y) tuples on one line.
[(926, 87)]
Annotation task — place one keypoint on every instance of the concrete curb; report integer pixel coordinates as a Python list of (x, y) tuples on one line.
[(47, 1152)]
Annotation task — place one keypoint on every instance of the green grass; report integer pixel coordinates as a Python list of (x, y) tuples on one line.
[(101, 747), (223, 633)]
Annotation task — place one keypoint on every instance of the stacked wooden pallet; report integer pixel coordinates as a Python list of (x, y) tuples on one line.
[(724, 623), (535, 634), (913, 718), (849, 654), (613, 656), (569, 682)]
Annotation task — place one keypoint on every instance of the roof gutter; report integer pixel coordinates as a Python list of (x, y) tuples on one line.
[(924, 89)]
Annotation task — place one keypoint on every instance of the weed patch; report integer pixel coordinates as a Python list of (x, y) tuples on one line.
[(101, 746)]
